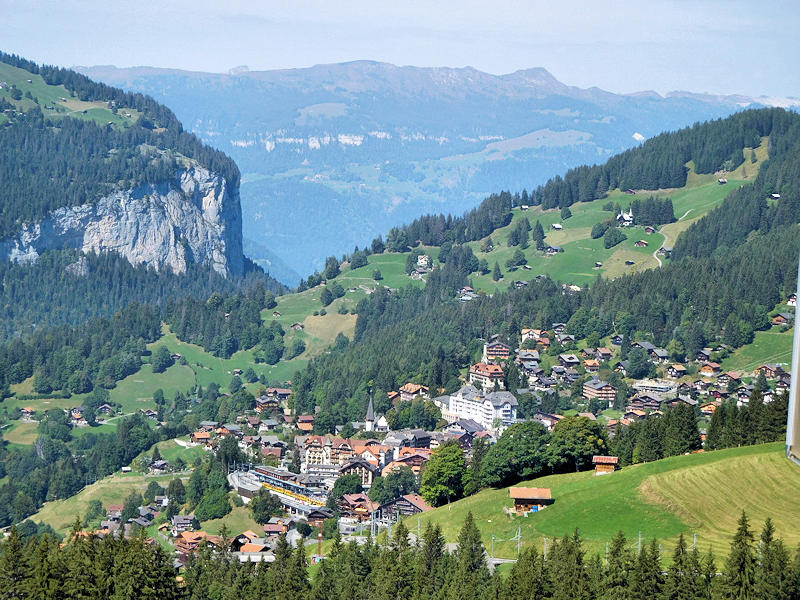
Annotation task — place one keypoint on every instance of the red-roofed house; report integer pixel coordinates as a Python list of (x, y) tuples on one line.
[(486, 375)]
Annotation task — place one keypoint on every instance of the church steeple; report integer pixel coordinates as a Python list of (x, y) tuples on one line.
[(369, 420)]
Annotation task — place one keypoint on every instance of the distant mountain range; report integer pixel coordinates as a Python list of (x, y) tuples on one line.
[(334, 155)]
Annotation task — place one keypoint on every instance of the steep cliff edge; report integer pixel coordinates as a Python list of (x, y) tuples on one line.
[(193, 217)]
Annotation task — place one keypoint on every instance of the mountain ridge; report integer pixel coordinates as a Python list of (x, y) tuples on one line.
[(536, 77)]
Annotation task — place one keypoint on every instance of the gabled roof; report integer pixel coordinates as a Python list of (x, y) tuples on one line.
[(605, 460), (418, 501), (500, 398), (597, 383), (530, 493)]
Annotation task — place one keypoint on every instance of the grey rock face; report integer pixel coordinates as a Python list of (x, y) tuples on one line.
[(195, 217)]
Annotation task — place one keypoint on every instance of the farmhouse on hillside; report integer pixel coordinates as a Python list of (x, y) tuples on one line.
[(530, 499), (605, 464)]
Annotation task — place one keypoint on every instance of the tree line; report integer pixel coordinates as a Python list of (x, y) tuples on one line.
[(132, 569), (752, 209), (68, 287)]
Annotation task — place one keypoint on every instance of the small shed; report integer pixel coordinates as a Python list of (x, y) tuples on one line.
[(605, 464), (529, 499)]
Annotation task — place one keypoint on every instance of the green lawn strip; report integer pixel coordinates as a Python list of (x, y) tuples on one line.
[(170, 450)]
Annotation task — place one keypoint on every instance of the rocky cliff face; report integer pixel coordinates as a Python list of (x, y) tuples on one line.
[(195, 217)]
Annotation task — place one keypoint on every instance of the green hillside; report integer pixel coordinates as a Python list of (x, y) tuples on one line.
[(701, 494), (56, 100)]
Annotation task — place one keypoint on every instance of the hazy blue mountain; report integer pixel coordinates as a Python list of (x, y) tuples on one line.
[(271, 262), (333, 155)]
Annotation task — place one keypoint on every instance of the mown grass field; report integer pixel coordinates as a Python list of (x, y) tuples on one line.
[(237, 521), (773, 346), (700, 493), (21, 434), (60, 514)]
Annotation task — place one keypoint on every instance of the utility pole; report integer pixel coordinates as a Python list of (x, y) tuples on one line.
[(519, 539), (492, 547), (640, 541)]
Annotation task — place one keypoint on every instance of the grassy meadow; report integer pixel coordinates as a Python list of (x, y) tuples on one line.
[(60, 514), (772, 346), (56, 101), (701, 493)]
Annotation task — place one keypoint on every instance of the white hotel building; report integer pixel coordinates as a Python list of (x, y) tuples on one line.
[(483, 408)]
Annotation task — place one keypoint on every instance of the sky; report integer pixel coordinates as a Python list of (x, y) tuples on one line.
[(717, 46)]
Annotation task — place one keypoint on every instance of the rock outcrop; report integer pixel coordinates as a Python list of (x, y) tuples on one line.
[(195, 217)]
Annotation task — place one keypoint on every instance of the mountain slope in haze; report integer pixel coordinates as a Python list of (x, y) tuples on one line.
[(333, 155)]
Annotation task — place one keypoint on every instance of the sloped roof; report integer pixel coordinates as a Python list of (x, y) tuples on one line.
[(530, 493)]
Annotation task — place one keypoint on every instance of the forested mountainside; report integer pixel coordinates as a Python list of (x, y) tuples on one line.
[(385, 143), (88, 167), (660, 162), (69, 287), (106, 201), (683, 306)]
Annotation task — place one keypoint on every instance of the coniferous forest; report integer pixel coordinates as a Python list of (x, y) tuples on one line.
[(758, 566)]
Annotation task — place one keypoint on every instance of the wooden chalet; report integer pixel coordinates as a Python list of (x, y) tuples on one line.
[(770, 371), (676, 371), (605, 464), (782, 319), (411, 390), (404, 506), (710, 369), (530, 499), (358, 506)]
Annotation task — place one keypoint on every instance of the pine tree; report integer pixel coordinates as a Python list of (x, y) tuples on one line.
[(428, 577), (683, 580), (618, 565), (646, 579), (740, 568), (773, 573), (568, 576), (324, 583), (472, 572), (13, 572), (81, 557), (46, 571), (295, 583), (497, 275), (527, 578)]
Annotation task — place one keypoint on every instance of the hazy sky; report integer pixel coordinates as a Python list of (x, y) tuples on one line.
[(722, 46)]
